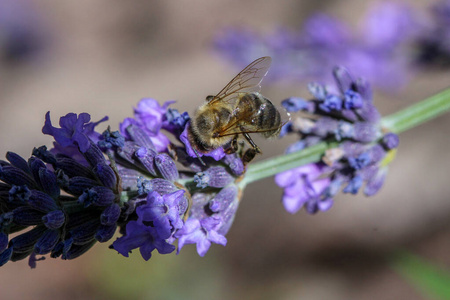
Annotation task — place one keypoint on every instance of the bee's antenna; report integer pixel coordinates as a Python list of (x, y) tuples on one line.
[(198, 156)]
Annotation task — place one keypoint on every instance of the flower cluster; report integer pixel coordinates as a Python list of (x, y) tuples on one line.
[(156, 191), (151, 183), (70, 199), (394, 42), (347, 117)]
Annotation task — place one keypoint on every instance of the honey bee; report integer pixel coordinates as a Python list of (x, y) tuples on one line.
[(238, 109)]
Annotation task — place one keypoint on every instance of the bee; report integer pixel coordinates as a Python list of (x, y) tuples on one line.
[(238, 109)]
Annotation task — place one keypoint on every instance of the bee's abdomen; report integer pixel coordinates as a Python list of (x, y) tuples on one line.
[(266, 118)]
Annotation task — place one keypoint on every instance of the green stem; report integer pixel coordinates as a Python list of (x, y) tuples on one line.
[(418, 113), (398, 122)]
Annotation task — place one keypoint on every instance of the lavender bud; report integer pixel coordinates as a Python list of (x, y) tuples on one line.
[(97, 196), (49, 183), (25, 242), (325, 126), (331, 103), (110, 215), (44, 154), (94, 155), (166, 166), (375, 183), (376, 153), (54, 219), (223, 199), (140, 137), (147, 157), (127, 151), (352, 100), (42, 202), (345, 130), (365, 132), (85, 233), (47, 242), (78, 250), (35, 165), (106, 175), (343, 79), (19, 193), (13, 175), (17, 161), (369, 113), (129, 178), (354, 185), (111, 139), (390, 141), (27, 216), (214, 177), (77, 185), (359, 162), (73, 168), (105, 232), (234, 163), (162, 186)]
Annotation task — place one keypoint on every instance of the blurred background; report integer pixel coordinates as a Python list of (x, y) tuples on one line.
[(102, 57)]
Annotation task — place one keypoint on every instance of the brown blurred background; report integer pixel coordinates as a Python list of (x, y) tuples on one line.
[(101, 57)]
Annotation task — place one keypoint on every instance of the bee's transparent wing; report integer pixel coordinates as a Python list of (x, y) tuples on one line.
[(247, 81)]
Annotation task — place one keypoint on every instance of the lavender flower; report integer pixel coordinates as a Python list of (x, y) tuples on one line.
[(350, 118), (65, 224)]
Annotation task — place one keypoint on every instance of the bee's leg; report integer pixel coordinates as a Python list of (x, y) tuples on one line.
[(250, 141), (233, 146), (249, 155)]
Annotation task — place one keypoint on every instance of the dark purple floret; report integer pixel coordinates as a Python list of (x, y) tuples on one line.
[(19, 193), (106, 175), (111, 140), (54, 219), (47, 242), (110, 215), (105, 233), (97, 196)]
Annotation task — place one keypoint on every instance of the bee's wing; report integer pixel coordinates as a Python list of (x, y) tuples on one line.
[(246, 122), (248, 80)]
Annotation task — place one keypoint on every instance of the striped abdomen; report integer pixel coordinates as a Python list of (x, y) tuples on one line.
[(258, 114)]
